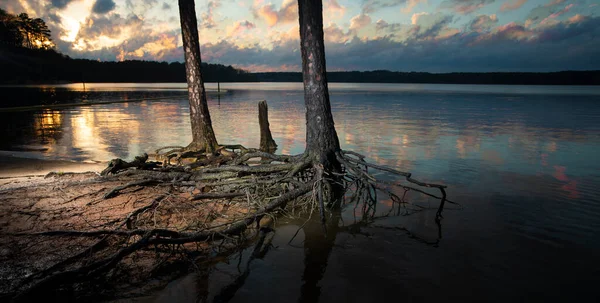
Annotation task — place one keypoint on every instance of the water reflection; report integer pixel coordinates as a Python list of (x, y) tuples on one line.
[(525, 166), (317, 250)]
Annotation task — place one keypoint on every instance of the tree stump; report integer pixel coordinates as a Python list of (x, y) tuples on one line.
[(267, 144)]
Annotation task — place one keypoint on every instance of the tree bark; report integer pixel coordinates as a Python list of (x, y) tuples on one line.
[(321, 138), (267, 144), (203, 136)]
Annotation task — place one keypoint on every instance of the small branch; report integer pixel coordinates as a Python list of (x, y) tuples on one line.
[(216, 196), (115, 191)]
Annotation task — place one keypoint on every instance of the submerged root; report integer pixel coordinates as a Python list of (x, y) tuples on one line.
[(190, 210)]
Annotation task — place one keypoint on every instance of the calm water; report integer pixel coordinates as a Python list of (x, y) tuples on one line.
[(522, 160)]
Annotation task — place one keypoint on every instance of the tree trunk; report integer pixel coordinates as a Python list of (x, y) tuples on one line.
[(321, 138), (267, 144), (203, 136)]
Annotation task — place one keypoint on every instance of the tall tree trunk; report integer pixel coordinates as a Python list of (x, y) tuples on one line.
[(321, 138), (203, 136)]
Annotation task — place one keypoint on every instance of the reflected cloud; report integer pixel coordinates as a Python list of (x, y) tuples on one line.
[(559, 173), (571, 188)]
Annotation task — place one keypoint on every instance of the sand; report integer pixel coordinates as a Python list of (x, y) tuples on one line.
[(18, 171)]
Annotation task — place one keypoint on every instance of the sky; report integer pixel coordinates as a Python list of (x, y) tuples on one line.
[(397, 35)]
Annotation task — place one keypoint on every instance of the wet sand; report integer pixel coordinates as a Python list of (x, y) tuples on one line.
[(17, 171)]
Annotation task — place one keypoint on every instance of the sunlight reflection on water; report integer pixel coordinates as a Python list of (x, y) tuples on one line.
[(522, 160)]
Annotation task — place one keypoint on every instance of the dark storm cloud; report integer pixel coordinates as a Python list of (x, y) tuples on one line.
[(103, 6)]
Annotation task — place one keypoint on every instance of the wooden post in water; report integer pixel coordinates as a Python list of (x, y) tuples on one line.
[(267, 144), (219, 88)]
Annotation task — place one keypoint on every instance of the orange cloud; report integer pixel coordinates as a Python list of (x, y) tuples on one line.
[(512, 31), (554, 2), (333, 9), (158, 48), (511, 6), (267, 12), (240, 26), (410, 4), (577, 19), (359, 21), (334, 33), (557, 14)]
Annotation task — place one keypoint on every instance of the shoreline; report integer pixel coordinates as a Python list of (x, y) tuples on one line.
[(19, 171)]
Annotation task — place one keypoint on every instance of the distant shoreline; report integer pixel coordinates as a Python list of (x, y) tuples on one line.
[(26, 66), (35, 84), (582, 78)]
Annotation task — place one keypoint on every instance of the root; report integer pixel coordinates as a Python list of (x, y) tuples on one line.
[(225, 196), (115, 191)]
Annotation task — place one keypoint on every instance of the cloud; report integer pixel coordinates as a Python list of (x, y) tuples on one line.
[(509, 47), (287, 13), (514, 4), (483, 23), (577, 19), (465, 6), (410, 4), (428, 26), (359, 21), (166, 6), (333, 9), (554, 2), (240, 26), (371, 6), (430, 42), (508, 32), (557, 14), (60, 4), (32, 8), (334, 33), (542, 12), (103, 6), (207, 18), (105, 31)]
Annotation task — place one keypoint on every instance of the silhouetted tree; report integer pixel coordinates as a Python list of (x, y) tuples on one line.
[(21, 30), (203, 136), (9, 29)]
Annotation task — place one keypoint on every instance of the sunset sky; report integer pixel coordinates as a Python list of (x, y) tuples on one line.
[(399, 35)]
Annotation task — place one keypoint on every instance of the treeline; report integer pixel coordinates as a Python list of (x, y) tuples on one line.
[(20, 65), (384, 76)]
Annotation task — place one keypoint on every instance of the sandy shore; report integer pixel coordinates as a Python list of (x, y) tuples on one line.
[(18, 171)]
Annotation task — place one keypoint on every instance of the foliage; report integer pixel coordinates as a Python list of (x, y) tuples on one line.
[(21, 30)]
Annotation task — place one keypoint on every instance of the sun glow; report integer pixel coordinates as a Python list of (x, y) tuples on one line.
[(72, 18)]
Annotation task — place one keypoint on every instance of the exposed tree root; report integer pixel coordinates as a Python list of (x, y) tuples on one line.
[(223, 202)]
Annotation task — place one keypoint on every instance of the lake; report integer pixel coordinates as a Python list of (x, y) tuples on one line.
[(522, 161)]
